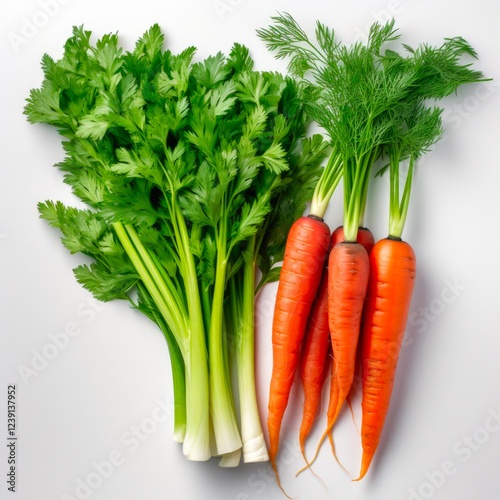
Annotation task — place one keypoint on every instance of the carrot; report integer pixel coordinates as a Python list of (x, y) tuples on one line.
[(348, 269), (392, 261), (393, 267), (348, 280), (386, 117), (364, 238), (316, 340), (314, 359), (305, 253)]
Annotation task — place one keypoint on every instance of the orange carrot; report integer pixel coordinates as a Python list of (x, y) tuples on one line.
[(393, 268), (366, 242), (305, 253), (316, 343), (314, 359), (348, 273), (365, 238)]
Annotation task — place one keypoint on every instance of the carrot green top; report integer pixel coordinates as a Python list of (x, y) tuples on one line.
[(371, 101)]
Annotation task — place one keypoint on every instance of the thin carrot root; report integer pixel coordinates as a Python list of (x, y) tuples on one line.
[(351, 409), (278, 480), (334, 451), (308, 466), (332, 405), (309, 463), (328, 433)]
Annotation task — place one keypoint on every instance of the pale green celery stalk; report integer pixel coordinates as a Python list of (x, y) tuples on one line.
[(197, 442), (242, 299), (177, 367), (227, 436), (231, 459), (178, 382), (206, 305), (168, 310), (187, 330)]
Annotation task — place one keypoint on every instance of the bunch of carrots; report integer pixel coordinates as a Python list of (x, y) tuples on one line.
[(340, 292)]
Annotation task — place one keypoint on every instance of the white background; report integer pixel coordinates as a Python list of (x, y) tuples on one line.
[(102, 397)]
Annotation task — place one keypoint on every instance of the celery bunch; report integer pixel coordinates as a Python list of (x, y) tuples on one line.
[(192, 173)]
